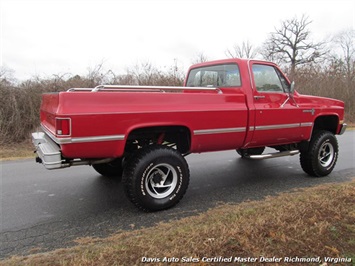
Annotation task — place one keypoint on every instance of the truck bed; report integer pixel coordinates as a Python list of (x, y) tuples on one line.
[(107, 117)]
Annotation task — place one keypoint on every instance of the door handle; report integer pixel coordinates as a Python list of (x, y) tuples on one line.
[(257, 97)]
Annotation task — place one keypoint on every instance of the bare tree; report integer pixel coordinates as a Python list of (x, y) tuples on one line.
[(291, 44), (95, 75), (6, 76), (343, 61), (345, 40), (245, 50), (144, 73), (199, 58)]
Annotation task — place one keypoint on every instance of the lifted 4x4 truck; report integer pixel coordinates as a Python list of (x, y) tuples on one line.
[(142, 133)]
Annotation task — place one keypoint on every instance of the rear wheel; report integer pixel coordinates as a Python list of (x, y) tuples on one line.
[(320, 158), (156, 178)]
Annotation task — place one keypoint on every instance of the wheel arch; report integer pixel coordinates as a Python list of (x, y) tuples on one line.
[(326, 122), (175, 134)]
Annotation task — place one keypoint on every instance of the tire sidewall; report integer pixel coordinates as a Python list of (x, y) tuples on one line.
[(141, 174)]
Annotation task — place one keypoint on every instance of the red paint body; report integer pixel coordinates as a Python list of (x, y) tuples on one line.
[(240, 117)]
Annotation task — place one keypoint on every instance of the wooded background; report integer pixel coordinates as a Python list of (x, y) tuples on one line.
[(325, 68)]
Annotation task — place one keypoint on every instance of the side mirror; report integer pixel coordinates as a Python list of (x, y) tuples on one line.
[(292, 87)]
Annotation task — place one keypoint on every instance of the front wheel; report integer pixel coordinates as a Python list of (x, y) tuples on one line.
[(320, 158), (156, 178)]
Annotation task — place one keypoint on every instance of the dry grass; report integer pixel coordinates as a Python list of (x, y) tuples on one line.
[(16, 151), (310, 223)]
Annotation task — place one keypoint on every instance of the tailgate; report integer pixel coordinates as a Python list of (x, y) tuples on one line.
[(49, 107)]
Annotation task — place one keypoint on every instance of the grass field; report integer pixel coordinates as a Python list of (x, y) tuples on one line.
[(16, 151), (315, 224)]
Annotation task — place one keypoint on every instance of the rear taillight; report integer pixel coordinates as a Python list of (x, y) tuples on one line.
[(62, 126)]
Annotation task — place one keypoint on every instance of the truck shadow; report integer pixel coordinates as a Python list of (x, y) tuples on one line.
[(228, 179), (234, 180)]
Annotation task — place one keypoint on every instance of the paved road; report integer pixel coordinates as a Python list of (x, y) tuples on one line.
[(42, 210)]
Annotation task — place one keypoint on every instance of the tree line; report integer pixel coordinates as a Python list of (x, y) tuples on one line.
[(325, 68)]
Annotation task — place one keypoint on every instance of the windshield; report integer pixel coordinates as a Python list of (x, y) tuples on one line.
[(215, 76)]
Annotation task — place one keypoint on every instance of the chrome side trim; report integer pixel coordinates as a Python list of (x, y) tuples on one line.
[(251, 128), (97, 138), (82, 139), (219, 131), (283, 126), (308, 124)]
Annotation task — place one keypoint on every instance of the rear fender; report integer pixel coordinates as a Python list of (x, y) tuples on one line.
[(179, 135)]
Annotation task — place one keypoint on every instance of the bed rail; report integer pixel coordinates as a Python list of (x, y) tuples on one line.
[(133, 88)]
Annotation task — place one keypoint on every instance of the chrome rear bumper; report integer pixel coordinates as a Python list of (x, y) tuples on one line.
[(47, 150), (50, 155)]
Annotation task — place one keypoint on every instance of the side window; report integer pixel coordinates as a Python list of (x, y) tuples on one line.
[(267, 79)]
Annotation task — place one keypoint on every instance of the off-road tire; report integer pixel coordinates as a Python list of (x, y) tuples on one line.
[(113, 169), (320, 158), (156, 178)]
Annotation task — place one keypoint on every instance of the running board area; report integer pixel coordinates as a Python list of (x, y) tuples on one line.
[(272, 155)]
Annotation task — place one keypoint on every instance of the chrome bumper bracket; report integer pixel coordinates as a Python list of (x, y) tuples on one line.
[(343, 128)]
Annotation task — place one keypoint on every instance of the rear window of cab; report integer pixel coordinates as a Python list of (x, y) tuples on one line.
[(227, 75)]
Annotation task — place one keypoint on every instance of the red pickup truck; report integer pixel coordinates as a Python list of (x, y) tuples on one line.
[(142, 133)]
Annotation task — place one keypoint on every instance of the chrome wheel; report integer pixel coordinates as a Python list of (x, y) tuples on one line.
[(156, 177), (161, 181), (326, 154)]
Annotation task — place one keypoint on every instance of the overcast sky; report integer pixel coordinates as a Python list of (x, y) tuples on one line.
[(56, 37)]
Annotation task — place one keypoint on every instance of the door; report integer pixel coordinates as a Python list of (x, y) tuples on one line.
[(278, 118)]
